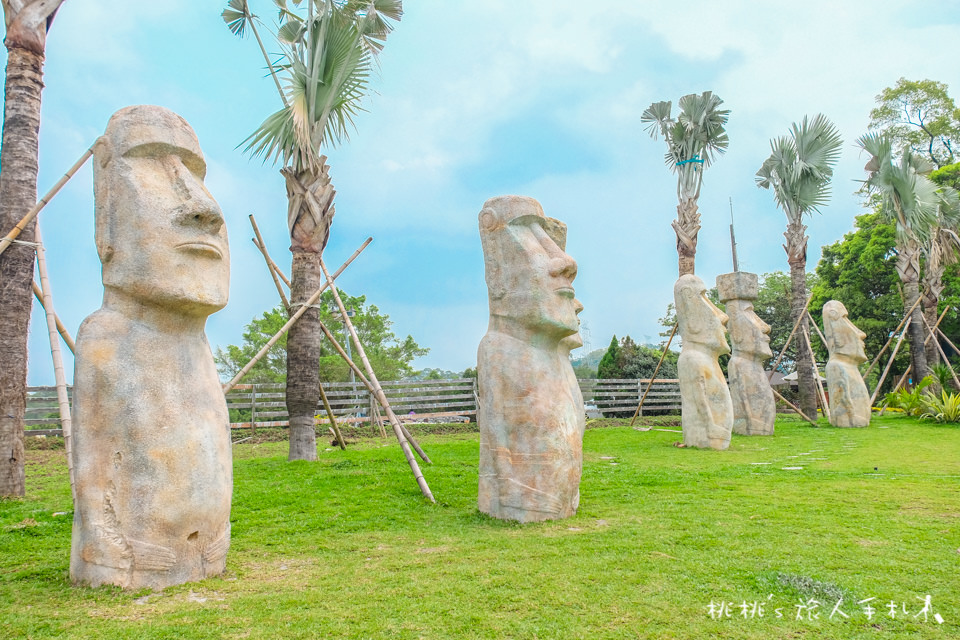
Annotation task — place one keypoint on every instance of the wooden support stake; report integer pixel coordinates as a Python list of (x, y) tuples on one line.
[(66, 424), (903, 378), (890, 339), (893, 356), (263, 245), (20, 226), (816, 371), (381, 396), (62, 329), (783, 351), (823, 339), (794, 407), (944, 336), (370, 388), (655, 371), (333, 422), (273, 274), (940, 349), (253, 409), (296, 316)]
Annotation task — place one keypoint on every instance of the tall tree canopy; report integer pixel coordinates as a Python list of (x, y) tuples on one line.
[(920, 116)]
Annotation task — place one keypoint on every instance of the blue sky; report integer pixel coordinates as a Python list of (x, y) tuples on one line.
[(477, 99)]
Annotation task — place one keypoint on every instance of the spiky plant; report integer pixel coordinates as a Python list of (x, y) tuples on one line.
[(326, 58), (694, 140), (798, 172)]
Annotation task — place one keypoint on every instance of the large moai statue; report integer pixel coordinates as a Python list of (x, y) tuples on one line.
[(754, 409), (706, 407), (151, 435), (531, 413), (849, 398)]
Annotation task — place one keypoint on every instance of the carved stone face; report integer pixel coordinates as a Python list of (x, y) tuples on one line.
[(701, 322), (529, 276), (844, 339), (749, 334), (160, 234)]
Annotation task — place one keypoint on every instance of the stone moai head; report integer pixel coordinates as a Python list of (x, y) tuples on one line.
[(529, 276), (748, 333), (160, 234), (700, 321), (844, 339)]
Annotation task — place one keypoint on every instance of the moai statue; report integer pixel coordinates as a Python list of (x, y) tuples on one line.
[(849, 399), (706, 407), (754, 409), (531, 412), (151, 431)]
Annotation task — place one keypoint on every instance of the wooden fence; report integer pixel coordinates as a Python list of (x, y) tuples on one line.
[(263, 405)]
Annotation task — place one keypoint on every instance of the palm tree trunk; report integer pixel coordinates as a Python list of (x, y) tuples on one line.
[(687, 226), (18, 193), (796, 248), (309, 214), (933, 288), (908, 268)]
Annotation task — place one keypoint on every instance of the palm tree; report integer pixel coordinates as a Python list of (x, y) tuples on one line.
[(694, 140), (939, 251), (910, 200), (798, 171), (326, 60), (26, 39)]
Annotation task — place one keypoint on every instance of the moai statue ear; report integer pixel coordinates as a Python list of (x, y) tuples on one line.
[(103, 226)]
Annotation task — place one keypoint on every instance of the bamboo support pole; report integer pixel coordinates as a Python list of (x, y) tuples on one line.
[(655, 372), (940, 349), (903, 378), (783, 351), (381, 396), (893, 357), (333, 422), (296, 316), (63, 400), (263, 249), (363, 379), (794, 407), (20, 226), (890, 339), (62, 329), (823, 339), (949, 342), (273, 274), (816, 371)]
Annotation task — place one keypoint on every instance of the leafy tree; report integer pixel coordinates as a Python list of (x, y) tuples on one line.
[(642, 361), (798, 172), (919, 115), (694, 139), (773, 306), (327, 57), (940, 250), (27, 23), (390, 356), (911, 201), (609, 363)]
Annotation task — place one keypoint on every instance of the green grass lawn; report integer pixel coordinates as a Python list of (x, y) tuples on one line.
[(347, 548)]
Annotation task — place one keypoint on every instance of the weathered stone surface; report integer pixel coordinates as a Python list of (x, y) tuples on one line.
[(706, 407), (849, 398), (754, 408), (531, 413), (151, 430)]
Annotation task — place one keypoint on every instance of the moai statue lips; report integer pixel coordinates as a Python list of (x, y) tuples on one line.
[(531, 413), (706, 406), (849, 398), (152, 448), (754, 408)]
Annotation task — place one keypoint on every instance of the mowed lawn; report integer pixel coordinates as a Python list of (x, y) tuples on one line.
[(668, 542)]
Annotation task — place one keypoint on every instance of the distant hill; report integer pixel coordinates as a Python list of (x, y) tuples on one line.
[(590, 360)]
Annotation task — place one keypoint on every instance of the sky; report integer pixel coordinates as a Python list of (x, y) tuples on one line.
[(473, 100)]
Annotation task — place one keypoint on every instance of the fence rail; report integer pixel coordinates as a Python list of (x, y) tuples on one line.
[(263, 405)]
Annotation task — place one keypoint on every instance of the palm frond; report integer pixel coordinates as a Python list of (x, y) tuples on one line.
[(237, 15)]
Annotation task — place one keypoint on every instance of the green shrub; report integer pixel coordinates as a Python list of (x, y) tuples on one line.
[(911, 402), (946, 408)]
